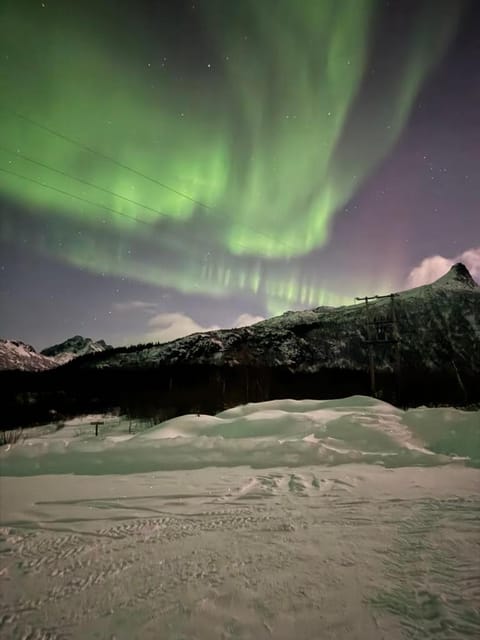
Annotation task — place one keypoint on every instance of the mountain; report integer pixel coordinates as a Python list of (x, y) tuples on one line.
[(424, 345), (437, 327), (15, 354), (73, 348)]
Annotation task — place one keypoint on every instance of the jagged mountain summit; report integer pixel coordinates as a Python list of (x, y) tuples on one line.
[(73, 348), (15, 354), (436, 326), (457, 277)]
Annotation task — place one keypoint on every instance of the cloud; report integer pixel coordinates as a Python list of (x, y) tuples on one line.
[(471, 260), (246, 319), (429, 270), (133, 305), (433, 267), (164, 327)]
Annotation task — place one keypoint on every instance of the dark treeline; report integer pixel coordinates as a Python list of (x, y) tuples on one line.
[(164, 392)]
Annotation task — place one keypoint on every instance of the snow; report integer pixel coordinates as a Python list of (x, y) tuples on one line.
[(244, 525), (281, 432), (15, 354)]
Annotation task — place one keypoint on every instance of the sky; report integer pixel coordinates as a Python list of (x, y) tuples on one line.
[(170, 166)]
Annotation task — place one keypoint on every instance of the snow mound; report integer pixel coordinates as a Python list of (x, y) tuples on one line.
[(186, 426), (290, 433), (301, 406)]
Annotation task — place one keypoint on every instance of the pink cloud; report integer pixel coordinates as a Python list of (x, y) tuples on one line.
[(434, 267)]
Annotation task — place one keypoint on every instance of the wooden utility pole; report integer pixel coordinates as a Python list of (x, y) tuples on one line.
[(376, 335), (95, 424), (371, 355), (396, 343)]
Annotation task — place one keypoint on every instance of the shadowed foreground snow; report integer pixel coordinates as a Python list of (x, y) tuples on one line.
[(175, 533)]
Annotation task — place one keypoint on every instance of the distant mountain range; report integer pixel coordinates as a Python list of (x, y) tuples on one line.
[(421, 345), (15, 354), (434, 328), (73, 348)]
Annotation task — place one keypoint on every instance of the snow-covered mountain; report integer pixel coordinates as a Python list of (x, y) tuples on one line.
[(74, 347), (437, 326), (15, 354)]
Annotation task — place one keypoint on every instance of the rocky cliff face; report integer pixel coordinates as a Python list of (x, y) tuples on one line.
[(436, 326)]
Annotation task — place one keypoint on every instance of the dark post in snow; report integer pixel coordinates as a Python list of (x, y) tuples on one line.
[(95, 424)]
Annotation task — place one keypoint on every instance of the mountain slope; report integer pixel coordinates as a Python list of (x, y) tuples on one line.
[(73, 348), (15, 354), (438, 326)]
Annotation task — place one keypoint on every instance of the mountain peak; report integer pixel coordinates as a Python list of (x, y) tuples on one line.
[(75, 346), (15, 354), (458, 276)]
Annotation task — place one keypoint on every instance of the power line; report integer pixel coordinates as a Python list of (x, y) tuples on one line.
[(71, 195), (86, 182), (102, 155), (136, 172), (87, 201)]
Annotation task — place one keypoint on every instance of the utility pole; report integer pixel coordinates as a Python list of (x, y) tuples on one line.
[(371, 355), (376, 335), (96, 425)]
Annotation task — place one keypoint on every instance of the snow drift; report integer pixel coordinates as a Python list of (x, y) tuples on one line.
[(292, 433)]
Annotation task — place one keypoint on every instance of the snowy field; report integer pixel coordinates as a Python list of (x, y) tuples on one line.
[(288, 519)]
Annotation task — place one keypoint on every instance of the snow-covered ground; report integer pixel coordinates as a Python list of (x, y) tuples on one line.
[(286, 519)]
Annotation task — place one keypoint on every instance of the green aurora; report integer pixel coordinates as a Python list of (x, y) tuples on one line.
[(265, 133)]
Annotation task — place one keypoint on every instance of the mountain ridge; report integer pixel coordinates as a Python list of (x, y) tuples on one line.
[(437, 322), (74, 347), (440, 321), (18, 355)]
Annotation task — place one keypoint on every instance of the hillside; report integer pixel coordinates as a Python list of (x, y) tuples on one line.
[(436, 325), (19, 356), (15, 354)]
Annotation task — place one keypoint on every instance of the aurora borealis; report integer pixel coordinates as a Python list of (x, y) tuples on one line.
[(208, 150)]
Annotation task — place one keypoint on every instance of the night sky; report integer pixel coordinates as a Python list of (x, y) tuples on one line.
[(169, 166)]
